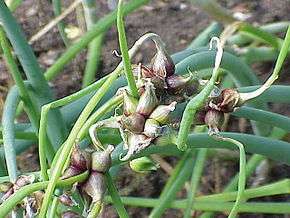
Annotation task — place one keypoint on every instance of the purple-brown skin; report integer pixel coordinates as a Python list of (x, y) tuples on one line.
[(95, 186), (80, 159), (228, 100), (134, 122), (71, 214), (66, 200), (70, 172), (214, 119), (162, 64)]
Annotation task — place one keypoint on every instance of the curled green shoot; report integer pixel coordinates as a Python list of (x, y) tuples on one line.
[(282, 55), (198, 101), (242, 174)]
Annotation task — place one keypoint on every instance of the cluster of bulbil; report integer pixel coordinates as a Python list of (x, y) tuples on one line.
[(143, 120)]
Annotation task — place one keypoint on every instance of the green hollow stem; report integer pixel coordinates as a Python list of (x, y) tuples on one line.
[(14, 71), (174, 184), (260, 35), (60, 25), (95, 47), (116, 200), (258, 54), (12, 201), (214, 29), (195, 178), (242, 176), (277, 188), (102, 25), (69, 143), (274, 149), (44, 150), (272, 28), (251, 165), (8, 116), (23, 135), (124, 52), (215, 10), (266, 117), (53, 208), (253, 207)]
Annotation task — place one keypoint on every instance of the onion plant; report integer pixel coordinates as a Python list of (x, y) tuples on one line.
[(140, 105)]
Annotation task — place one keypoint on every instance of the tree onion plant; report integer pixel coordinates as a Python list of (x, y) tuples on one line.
[(175, 106)]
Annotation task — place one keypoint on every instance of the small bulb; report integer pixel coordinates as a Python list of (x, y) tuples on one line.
[(130, 103), (161, 113), (71, 171), (214, 119), (101, 160), (80, 159), (177, 84), (67, 200), (95, 186), (162, 64), (134, 122), (148, 100), (23, 180), (228, 100)]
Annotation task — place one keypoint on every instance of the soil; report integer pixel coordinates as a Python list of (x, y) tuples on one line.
[(177, 22)]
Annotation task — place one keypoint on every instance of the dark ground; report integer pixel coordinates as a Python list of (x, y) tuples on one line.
[(177, 22)]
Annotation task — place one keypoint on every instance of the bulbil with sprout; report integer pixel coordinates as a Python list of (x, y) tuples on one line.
[(161, 73)]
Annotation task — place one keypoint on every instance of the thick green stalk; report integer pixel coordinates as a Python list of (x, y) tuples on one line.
[(124, 52), (277, 188), (14, 71), (215, 10), (272, 28), (214, 29), (174, 184), (274, 149), (9, 134), (116, 200), (253, 207), (262, 116), (195, 178)]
